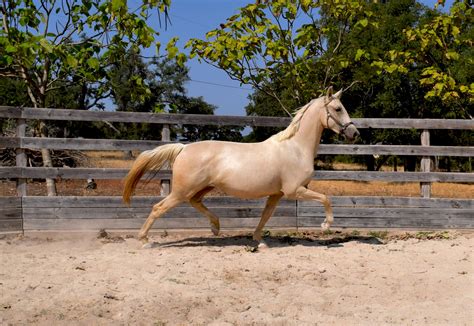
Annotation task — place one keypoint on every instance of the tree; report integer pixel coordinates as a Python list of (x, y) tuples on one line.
[(192, 133), (145, 86), (44, 43), (296, 43), (443, 47), (164, 90)]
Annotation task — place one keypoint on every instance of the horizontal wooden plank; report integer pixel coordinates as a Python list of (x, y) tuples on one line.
[(377, 201), (396, 123), (10, 142), (9, 213), (410, 150), (107, 173), (140, 201), (72, 173), (395, 176), (326, 149), (395, 212), (143, 117), (225, 201), (165, 223), (438, 222), (142, 212), (164, 118), (10, 225), (10, 201)]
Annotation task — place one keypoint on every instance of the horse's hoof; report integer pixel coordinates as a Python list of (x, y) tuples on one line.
[(325, 226), (215, 230), (262, 245), (149, 245)]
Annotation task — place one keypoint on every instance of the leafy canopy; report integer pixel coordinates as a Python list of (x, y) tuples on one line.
[(45, 42)]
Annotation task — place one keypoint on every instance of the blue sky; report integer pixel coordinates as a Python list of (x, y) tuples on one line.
[(192, 19)]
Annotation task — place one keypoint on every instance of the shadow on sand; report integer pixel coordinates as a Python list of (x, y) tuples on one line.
[(332, 241)]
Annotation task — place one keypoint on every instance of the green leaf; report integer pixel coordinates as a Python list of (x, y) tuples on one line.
[(359, 54), (118, 4), (93, 63), (71, 61), (364, 22), (46, 45), (10, 48)]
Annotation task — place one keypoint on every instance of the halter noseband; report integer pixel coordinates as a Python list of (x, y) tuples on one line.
[(339, 123)]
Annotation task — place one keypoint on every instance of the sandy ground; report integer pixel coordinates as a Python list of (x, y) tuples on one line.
[(196, 279)]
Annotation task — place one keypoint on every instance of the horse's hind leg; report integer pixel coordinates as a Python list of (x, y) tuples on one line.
[(158, 210), (196, 202)]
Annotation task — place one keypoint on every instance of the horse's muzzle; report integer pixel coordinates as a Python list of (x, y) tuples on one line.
[(350, 132)]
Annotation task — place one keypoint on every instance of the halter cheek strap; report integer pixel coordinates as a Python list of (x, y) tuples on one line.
[(343, 126)]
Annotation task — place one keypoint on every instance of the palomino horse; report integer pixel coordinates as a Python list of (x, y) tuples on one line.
[(281, 166)]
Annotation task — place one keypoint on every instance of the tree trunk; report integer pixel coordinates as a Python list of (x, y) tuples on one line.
[(47, 161)]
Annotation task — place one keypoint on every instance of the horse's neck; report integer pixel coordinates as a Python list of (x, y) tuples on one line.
[(309, 133)]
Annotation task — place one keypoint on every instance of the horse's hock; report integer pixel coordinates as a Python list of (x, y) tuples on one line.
[(26, 212)]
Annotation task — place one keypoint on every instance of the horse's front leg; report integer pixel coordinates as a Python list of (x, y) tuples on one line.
[(303, 193), (270, 206)]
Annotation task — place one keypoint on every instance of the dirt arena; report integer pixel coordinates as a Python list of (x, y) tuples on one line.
[(309, 278)]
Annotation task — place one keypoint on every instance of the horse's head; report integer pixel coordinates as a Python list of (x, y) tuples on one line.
[(337, 118)]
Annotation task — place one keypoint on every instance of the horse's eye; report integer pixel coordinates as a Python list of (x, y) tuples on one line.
[(338, 109)]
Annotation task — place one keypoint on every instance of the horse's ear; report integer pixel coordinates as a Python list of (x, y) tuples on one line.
[(338, 94), (330, 92)]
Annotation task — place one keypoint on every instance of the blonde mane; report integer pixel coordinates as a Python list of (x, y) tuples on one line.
[(294, 126)]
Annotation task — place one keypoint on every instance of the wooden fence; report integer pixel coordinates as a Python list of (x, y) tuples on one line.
[(71, 212)]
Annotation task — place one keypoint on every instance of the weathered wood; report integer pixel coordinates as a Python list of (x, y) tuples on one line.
[(434, 222), (10, 202), (163, 118), (426, 165), (10, 213), (163, 223), (142, 117), (140, 201), (165, 184), (324, 149), (377, 201), (11, 225), (395, 176), (126, 213), (10, 112), (72, 173), (10, 142), (10, 172), (112, 174), (410, 150), (21, 157), (389, 212), (224, 201), (86, 144)]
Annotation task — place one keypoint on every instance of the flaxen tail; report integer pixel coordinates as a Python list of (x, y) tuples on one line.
[(148, 161)]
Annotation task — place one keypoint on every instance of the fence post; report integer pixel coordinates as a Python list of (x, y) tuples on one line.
[(20, 157), (425, 187), (165, 184)]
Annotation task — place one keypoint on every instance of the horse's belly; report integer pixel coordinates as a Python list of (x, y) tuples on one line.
[(256, 185)]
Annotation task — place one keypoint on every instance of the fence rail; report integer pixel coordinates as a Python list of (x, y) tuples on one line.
[(199, 119), (324, 149), (70, 212)]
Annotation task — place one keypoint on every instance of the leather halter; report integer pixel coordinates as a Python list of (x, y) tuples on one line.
[(343, 126)]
